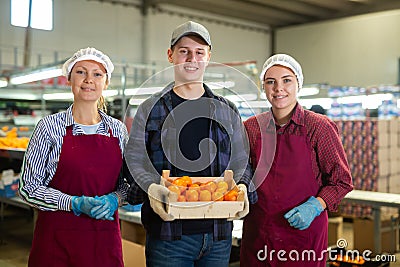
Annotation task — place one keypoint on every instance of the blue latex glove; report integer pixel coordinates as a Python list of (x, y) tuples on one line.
[(108, 207), (84, 205), (302, 216)]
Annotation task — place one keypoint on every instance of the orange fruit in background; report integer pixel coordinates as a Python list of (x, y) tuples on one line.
[(217, 196), (192, 195), (175, 189), (187, 179), (205, 195)]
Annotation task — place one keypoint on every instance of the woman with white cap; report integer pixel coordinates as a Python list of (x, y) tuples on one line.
[(308, 175), (71, 173)]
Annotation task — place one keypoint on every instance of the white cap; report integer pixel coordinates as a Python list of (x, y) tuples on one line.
[(190, 28), (286, 61), (89, 53)]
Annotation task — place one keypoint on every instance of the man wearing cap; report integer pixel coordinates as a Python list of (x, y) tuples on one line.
[(71, 173), (188, 130), (309, 175)]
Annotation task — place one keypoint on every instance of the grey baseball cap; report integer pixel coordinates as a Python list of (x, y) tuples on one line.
[(190, 28)]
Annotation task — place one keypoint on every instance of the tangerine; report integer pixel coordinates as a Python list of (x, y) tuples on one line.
[(181, 183), (231, 196), (205, 195), (192, 195), (217, 196), (187, 179)]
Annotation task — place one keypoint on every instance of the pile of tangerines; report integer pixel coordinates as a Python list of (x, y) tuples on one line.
[(11, 139), (189, 191)]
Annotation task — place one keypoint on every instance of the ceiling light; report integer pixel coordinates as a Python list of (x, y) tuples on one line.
[(109, 93), (143, 90), (306, 91), (326, 103), (35, 75), (59, 96), (136, 101), (242, 97), (255, 104), (220, 85)]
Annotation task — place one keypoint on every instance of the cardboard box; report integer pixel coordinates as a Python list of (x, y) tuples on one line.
[(364, 235), (393, 140), (383, 139), (202, 209), (384, 168), (383, 184), (393, 167), (394, 153), (383, 154), (335, 230), (8, 183), (383, 126), (394, 126), (133, 232), (134, 254)]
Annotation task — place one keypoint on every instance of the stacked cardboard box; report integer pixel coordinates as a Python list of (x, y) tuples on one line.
[(133, 241), (373, 148), (8, 183), (364, 239), (335, 230)]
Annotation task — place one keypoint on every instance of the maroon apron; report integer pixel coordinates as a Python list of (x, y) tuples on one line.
[(268, 239), (88, 165)]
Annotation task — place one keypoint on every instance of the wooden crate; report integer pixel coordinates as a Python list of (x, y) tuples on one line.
[(202, 209)]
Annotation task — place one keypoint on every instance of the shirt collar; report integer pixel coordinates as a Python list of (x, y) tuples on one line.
[(298, 115), (69, 119), (165, 93)]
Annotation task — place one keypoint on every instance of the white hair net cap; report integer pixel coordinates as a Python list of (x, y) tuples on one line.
[(89, 53), (286, 61)]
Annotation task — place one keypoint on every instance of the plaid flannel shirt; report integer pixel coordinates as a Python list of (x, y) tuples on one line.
[(142, 169)]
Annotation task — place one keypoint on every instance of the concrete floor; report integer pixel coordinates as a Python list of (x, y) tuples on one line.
[(16, 237)]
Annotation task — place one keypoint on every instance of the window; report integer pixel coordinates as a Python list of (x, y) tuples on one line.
[(41, 15)]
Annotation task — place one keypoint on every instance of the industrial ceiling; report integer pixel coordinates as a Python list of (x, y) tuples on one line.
[(270, 13)]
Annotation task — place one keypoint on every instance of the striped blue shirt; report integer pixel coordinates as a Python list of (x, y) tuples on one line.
[(42, 156)]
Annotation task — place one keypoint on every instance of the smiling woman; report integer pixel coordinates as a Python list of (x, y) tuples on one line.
[(88, 79), (71, 173), (89, 70), (291, 214)]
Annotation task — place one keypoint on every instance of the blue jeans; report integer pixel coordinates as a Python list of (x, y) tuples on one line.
[(199, 250)]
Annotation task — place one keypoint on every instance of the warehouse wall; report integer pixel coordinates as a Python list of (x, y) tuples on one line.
[(359, 51), (117, 30)]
